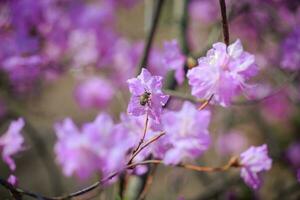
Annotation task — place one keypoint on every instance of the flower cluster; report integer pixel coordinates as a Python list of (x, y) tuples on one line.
[(40, 40), (99, 146), (222, 73)]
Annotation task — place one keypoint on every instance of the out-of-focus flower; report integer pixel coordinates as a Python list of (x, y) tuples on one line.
[(222, 73), (23, 72), (298, 175), (147, 96), (174, 59), (204, 10), (111, 142), (12, 179), (73, 150), (291, 51), (293, 154), (156, 62), (259, 91), (94, 92), (277, 106), (254, 161), (125, 59), (231, 143), (11, 142), (186, 133), (83, 47), (97, 147)]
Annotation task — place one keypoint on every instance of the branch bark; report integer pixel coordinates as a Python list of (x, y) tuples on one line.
[(224, 21)]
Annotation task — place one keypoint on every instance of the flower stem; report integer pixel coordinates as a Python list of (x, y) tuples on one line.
[(144, 146), (224, 21), (233, 162)]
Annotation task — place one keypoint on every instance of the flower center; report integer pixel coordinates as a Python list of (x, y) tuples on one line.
[(144, 98)]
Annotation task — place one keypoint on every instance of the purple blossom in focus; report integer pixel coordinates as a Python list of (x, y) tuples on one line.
[(291, 51), (11, 142), (187, 133), (254, 161), (223, 72), (231, 143), (94, 92), (84, 152), (147, 96), (174, 60)]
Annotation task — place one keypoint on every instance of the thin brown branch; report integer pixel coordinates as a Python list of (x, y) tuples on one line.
[(142, 139), (224, 21), (206, 102), (233, 162), (144, 146)]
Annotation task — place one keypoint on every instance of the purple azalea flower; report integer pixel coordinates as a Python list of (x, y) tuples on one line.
[(73, 150), (147, 96), (83, 152), (254, 161), (12, 142), (223, 72), (187, 135), (94, 92), (174, 59), (291, 51)]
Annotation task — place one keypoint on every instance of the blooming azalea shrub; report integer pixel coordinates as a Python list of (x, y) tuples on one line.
[(225, 108)]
